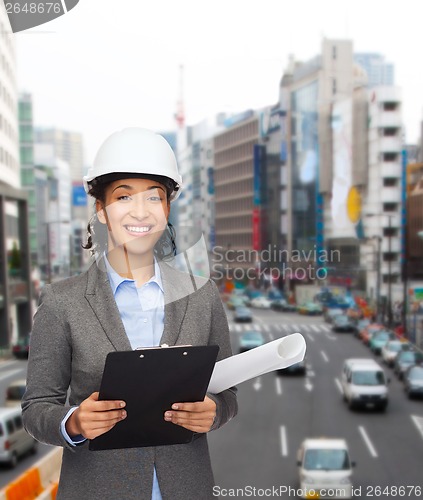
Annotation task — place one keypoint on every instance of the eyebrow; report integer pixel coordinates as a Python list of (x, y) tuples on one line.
[(131, 188)]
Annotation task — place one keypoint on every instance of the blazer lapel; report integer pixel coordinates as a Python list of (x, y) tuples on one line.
[(100, 297)]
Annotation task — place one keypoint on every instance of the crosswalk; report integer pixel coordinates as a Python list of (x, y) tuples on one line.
[(279, 327)]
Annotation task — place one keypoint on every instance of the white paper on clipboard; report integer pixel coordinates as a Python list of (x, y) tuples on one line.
[(275, 355)]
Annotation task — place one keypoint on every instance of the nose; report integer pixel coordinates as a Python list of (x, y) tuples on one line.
[(139, 208)]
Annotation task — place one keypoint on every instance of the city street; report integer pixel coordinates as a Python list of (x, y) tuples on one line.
[(258, 448)]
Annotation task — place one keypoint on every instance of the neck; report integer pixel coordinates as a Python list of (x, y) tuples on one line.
[(137, 267)]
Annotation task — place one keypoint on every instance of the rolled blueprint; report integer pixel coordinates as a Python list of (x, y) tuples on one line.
[(274, 355)]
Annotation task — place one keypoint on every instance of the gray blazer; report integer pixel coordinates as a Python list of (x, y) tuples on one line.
[(76, 325)]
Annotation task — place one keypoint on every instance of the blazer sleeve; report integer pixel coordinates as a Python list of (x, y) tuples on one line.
[(48, 376), (226, 401)]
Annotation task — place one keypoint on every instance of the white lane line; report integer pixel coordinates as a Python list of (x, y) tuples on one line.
[(295, 327), (339, 385), (280, 326), (418, 422), (4, 364), (330, 337), (256, 327), (271, 337), (369, 444), (266, 328), (326, 327), (278, 386), (315, 328), (231, 327), (259, 320), (238, 328), (284, 443), (304, 328), (10, 373), (310, 337), (324, 356)]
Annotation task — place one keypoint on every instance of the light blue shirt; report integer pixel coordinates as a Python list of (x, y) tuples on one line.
[(142, 313)]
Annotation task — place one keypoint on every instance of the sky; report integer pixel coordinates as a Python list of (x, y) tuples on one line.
[(107, 64)]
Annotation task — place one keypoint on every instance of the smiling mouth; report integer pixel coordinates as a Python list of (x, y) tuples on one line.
[(138, 229)]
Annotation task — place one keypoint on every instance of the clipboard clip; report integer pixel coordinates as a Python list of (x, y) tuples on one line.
[(165, 346)]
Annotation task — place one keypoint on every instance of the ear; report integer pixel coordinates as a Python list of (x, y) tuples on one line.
[(100, 212)]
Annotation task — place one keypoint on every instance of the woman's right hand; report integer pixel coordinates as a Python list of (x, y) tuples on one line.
[(94, 417)]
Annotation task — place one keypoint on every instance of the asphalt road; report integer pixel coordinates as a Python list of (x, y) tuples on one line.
[(258, 448), (10, 371)]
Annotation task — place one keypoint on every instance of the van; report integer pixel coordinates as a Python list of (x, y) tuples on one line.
[(325, 468), (14, 440), (364, 384)]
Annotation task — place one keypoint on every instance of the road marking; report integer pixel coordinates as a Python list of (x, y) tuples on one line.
[(10, 373), (280, 326), (369, 444), (304, 328), (284, 444), (324, 356), (271, 337), (257, 384), (310, 337), (295, 327), (231, 327), (259, 320), (326, 327), (330, 337), (238, 328), (256, 327), (266, 328), (339, 385), (278, 386), (4, 364), (419, 423), (308, 385), (315, 328)]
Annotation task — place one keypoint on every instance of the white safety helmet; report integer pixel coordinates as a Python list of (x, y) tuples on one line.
[(135, 151)]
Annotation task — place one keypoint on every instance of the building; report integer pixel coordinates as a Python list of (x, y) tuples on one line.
[(16, 306), (378, 71), (237, 223)]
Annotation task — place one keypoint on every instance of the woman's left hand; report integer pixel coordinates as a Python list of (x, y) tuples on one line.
[(197, 417)]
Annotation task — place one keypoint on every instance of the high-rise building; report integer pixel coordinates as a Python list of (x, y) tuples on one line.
[(378, 71), (16, 306)]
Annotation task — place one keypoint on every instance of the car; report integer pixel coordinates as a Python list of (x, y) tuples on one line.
[(342, 324), (310, 309), (379, 339), (250, 340), (361, 324), (261, 303), (14, 440), (370, 330), (295, 369), (20, 348), (325, 462), (364, 384), (15, 392), (282, 305), (413, 381), (405, 359), (390, 351), (242, 314), (234, 302), (329, 314)]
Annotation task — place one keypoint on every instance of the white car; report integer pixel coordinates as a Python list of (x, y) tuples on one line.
[(324, 467), (261, 303), (364, 384), (390, 351)]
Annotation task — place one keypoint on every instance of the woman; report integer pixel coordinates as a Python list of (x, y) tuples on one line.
[(130, 297)]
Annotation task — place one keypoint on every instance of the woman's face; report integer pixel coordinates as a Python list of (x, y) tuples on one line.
[(136, 214)]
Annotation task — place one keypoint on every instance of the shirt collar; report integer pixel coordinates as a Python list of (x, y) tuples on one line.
[(116, 279)]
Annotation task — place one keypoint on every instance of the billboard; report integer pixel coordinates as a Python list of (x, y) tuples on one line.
[(79, 197)]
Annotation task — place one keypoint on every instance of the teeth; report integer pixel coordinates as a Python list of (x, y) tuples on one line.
[(136, 229)]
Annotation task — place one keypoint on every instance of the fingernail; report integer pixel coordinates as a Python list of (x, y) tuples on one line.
[(123, 414), (175, 407), (168, 414), (122, 404)]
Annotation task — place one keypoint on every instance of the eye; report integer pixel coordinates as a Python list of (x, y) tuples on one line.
[(155, 198), (124, 197)]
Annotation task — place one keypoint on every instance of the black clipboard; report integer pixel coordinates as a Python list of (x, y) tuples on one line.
[(150, 380)]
